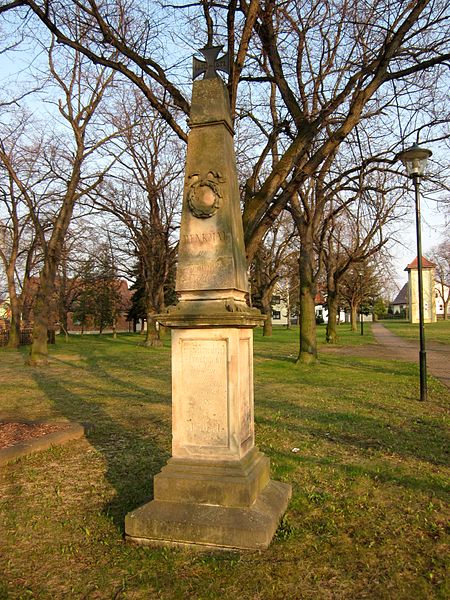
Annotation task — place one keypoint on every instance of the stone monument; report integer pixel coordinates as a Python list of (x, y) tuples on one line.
[(216, 490)]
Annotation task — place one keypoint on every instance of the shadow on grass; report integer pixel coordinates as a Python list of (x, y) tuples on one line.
[(133, 454), (379, 473), (423, 439)]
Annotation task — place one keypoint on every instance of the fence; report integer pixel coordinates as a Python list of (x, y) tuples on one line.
[(25, 337)]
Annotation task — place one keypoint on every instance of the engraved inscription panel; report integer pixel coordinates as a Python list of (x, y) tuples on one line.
[(205, 406), (208, 274)]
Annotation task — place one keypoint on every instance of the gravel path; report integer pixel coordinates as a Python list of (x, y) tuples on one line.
[(397, 348)]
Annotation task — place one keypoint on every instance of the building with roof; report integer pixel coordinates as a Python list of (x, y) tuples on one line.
[(429, 290), (406, 302), (67, 296), (400, 305)]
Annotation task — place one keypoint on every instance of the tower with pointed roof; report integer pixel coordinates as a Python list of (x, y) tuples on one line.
[(429, 304)]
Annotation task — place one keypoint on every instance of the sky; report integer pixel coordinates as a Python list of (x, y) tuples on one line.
[(435, 229)]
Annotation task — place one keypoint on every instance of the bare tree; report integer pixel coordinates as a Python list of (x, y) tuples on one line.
[(357, 231), (144, 195), (307, 73), (18, 243), (61, 175), (329, 63), (441, 256), (269, 266)]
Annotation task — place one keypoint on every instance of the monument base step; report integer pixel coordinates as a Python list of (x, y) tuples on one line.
[(228, 483), (163, 523)]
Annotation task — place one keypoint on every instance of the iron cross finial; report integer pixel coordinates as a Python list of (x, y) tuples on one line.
[(211, 64)]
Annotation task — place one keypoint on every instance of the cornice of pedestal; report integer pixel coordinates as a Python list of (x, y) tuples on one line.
[(211, 313)]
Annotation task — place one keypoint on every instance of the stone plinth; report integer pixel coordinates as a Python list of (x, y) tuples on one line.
[(212, 393), (216, 489), (210, 526)]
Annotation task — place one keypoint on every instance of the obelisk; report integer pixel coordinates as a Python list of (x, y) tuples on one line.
[(215, 490)]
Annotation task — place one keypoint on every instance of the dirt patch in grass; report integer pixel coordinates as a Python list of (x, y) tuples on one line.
[(375, 351), (12, 433)]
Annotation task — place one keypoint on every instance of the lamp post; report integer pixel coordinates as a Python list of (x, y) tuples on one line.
[(415, 160)]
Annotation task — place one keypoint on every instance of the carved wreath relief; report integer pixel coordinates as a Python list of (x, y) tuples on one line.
[(204, 195)]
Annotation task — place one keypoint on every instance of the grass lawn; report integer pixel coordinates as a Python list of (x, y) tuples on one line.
[(434, 332), (369, 512)]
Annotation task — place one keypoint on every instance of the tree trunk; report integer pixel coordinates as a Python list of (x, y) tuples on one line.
[(288, 326), (63, 321), (39, 346), (14, 333), (307, 317), (331, 336), (64, 328), (267, 310), (353, 317), (152, 338)]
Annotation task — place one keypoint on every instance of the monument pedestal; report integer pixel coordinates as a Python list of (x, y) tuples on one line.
[(165, 523), (215, 490)]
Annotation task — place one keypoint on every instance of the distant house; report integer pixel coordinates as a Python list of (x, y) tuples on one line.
[(5, 313), (279, 309), (73, 288), (441, 287), (406, 302), (322, 310), (400, 304)]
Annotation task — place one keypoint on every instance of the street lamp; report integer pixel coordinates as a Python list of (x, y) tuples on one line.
[(415, 161)]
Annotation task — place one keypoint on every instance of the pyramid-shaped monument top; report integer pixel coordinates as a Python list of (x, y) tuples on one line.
[(212, 281), (426, 264)]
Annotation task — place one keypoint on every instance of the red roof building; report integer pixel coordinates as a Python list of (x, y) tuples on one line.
[(426, 264)]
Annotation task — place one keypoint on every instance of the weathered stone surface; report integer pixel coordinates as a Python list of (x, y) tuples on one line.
[(211, 250), (252, 528), (227, 312), (227, 483), (212, 393), (215, 491)]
